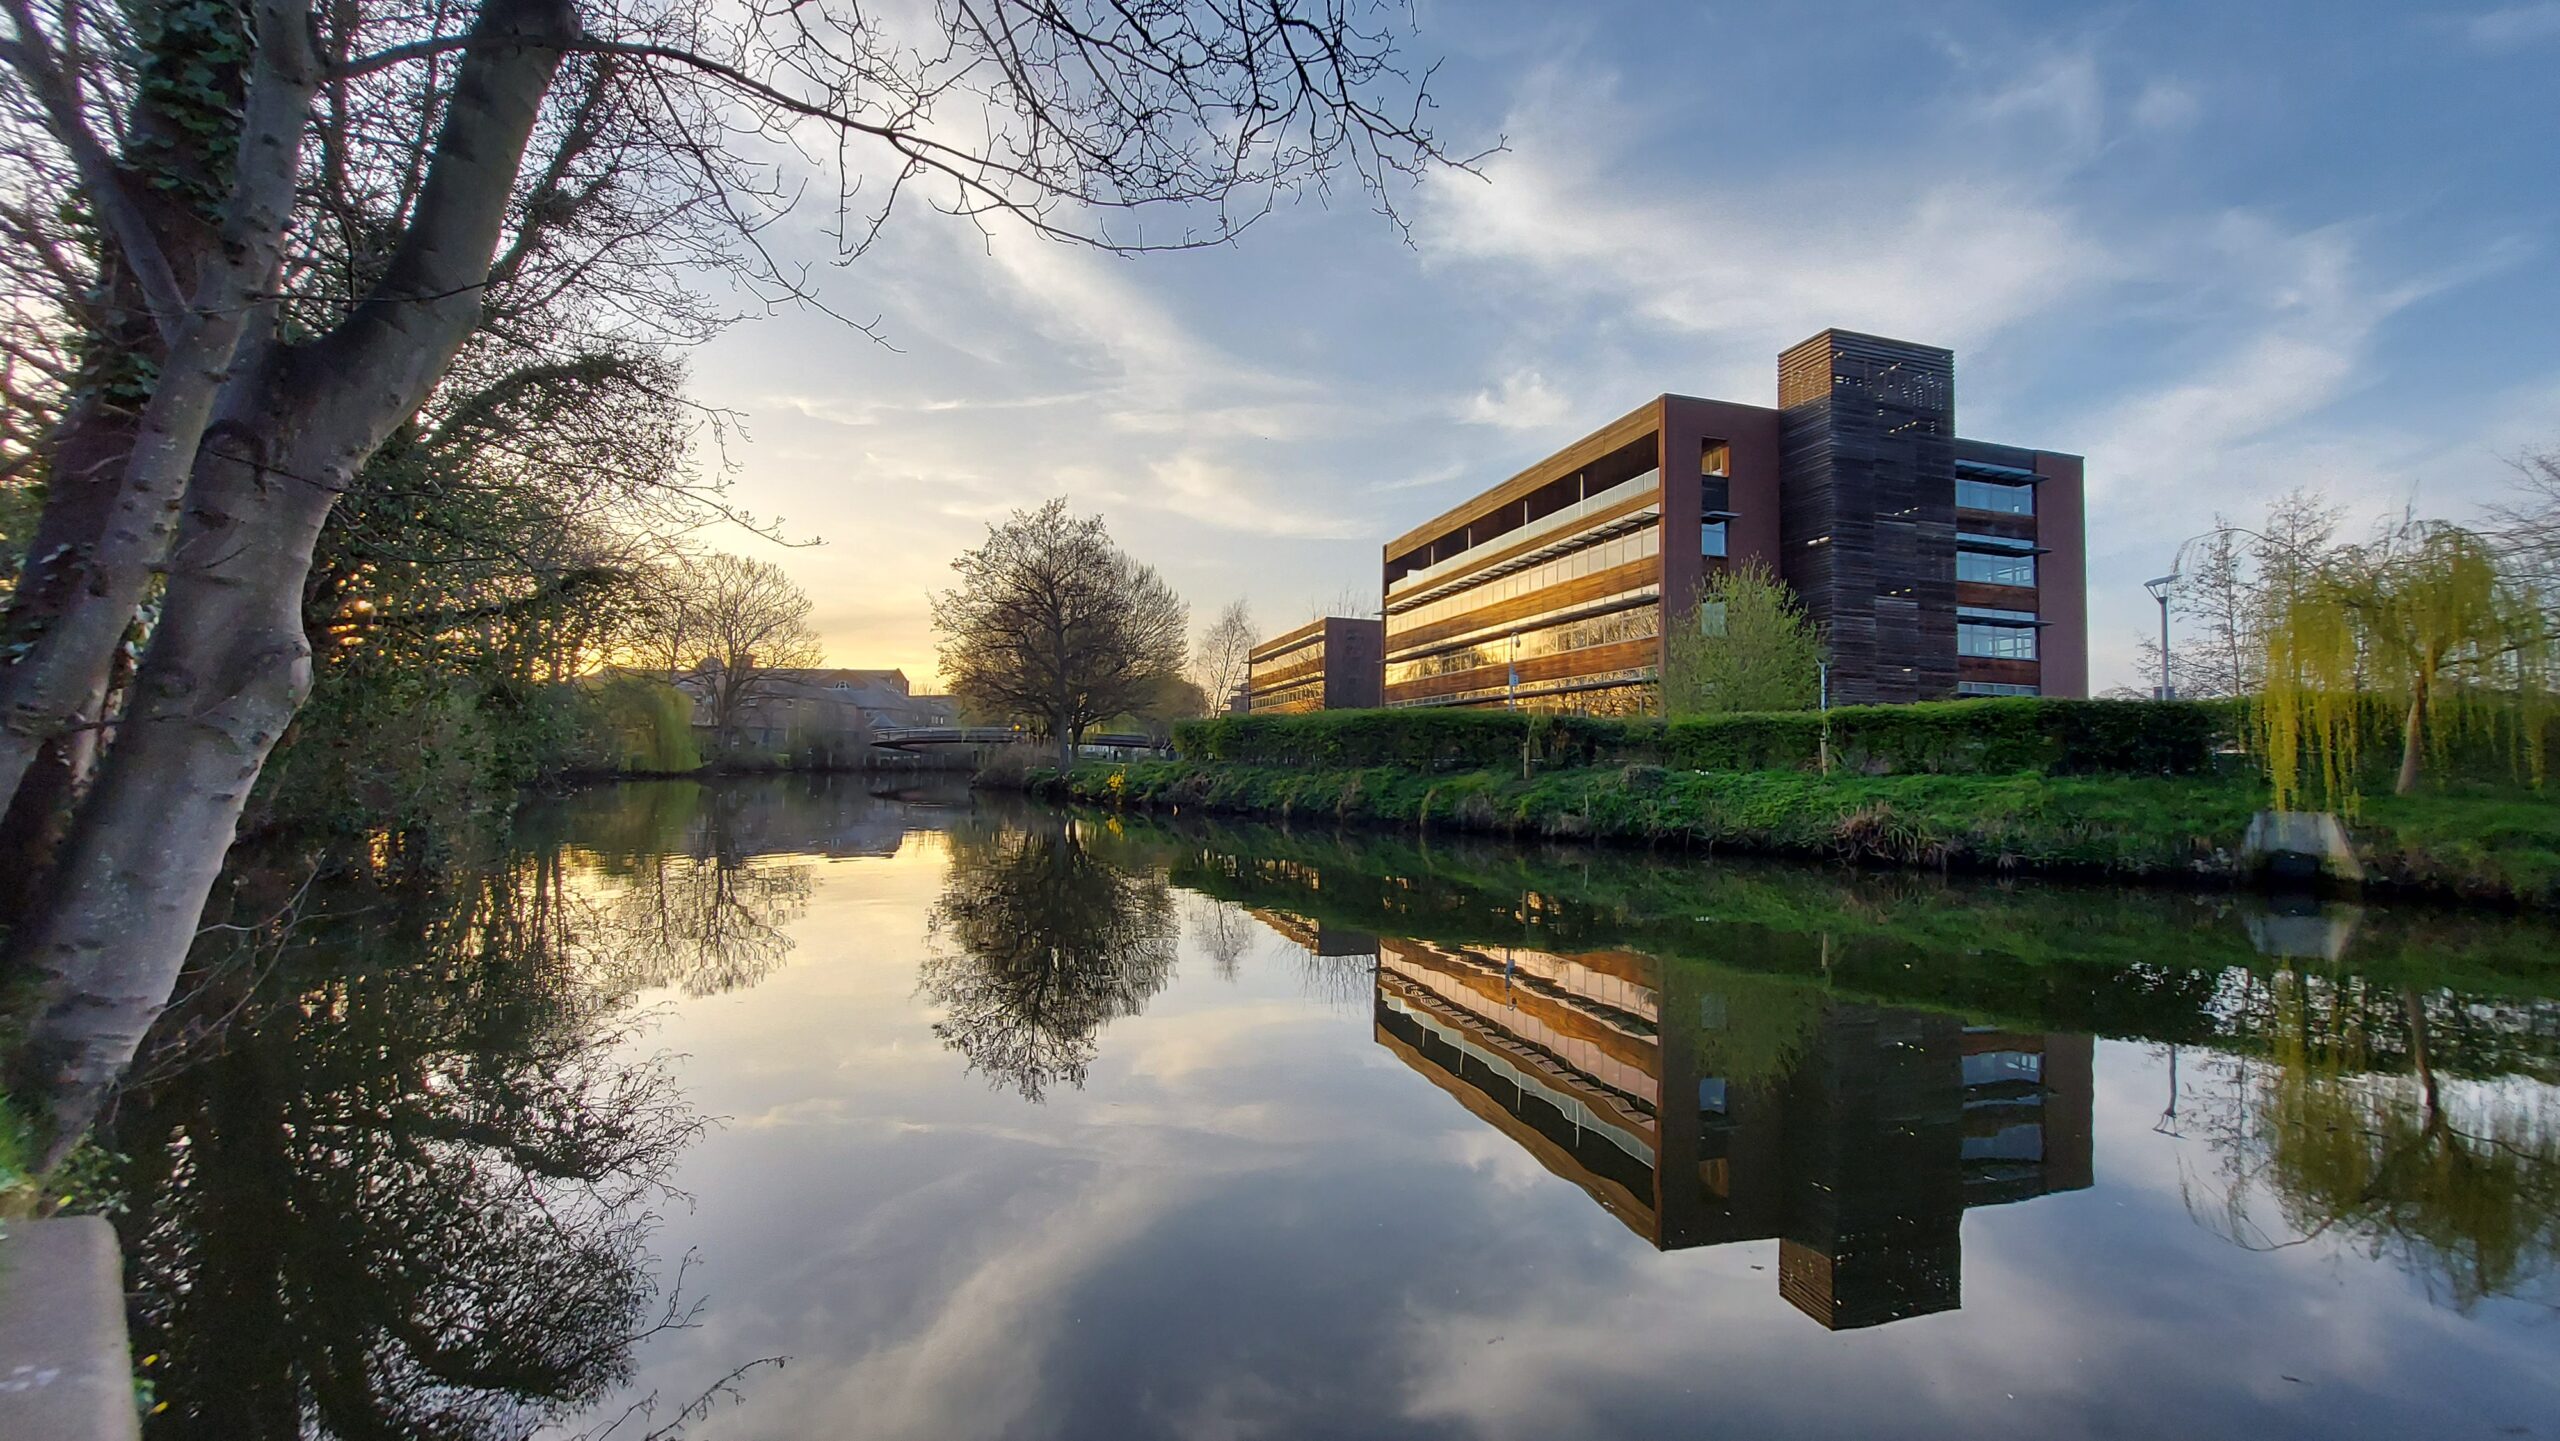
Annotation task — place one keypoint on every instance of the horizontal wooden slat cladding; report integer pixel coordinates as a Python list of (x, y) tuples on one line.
[(1995, 597), (2000, 672), (1564, 1019), (1995, 522), (1264, 678), (1633, 426), (1599, 585), (1633, 1211), (1496, 555), (1590, 660), (1288, 640)]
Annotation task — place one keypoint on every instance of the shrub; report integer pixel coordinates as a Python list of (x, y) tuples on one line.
[(1970, 737)]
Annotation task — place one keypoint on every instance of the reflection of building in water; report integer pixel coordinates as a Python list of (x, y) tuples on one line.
[(1855, 1135), (1315, 937)]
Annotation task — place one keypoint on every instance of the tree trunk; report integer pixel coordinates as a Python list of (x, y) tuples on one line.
[(224, 675), (47, 689), (85, 468), (2413, 742), (64, 646), (230, 664)]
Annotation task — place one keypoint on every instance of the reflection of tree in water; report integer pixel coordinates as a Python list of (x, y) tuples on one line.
[(1224, 932), (705, 920), (2457, 1182), (1752, 1030), (398, 1182), (1037, 945)]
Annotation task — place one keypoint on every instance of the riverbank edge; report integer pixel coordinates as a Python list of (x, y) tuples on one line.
[(2474, 849), (70, 1373)]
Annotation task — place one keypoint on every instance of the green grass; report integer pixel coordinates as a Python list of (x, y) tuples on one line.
[(2472, 843)]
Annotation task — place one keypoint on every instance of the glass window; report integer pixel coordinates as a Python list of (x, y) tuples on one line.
[(1995, 642), (1995, 569), (1993, 496), (1985, 612), (1992, 688), (1711, 539)]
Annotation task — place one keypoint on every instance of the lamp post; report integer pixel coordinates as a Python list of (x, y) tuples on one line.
[(1822, 701), (2160, 586)]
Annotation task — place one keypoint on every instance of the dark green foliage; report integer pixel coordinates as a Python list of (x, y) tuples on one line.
[(1970, 737)]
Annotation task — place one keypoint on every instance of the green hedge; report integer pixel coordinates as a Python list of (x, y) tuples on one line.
[(1971, 737)]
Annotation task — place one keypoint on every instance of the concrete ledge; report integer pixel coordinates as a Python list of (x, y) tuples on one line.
[(66, 1372), (2300, 846)]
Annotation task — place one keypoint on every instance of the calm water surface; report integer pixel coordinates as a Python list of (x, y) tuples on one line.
[(999, 1123)]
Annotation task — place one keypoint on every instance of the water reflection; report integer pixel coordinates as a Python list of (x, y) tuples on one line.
[(1037, 944), (1698, 1115), (403, 1182), (2457, 1183), (1333, 1135), (1739, 1054)]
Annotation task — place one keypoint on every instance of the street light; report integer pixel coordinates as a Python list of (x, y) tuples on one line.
[(2160, 586)]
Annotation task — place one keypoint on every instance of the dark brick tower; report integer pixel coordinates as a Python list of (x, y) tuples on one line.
[(1867, 516)]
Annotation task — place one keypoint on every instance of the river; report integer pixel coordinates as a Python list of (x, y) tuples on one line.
[(999, 1122)]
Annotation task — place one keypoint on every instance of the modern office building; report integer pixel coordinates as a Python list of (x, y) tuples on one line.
[(1937, 566), (1331, 663), (1856, 1136)]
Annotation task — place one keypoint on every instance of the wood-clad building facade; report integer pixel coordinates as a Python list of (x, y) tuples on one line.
[(1330, 663), (1937, 566)]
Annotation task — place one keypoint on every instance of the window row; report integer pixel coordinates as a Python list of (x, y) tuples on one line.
[(1590, 694), (1994, 687), (1995, 642), (1590, 560), (1994, 496), (1646, 593), (2002, 569), (1642, 623), (1553, 506), (1308, 692)]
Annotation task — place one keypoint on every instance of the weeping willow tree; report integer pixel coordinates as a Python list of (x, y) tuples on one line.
[(2425, 622)]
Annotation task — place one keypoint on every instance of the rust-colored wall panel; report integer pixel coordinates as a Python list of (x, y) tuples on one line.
[(1996, 597), (1750, 436), (2062, 575), (2000, 672)]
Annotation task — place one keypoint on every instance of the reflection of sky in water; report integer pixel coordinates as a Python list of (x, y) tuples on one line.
[(1254, 1220)]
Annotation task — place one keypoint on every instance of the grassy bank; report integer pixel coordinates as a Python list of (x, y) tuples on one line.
[(2483, 845)]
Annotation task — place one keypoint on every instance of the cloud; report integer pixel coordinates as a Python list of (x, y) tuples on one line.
[(2515, 26), (2294, 317), (1522, 401), (2166, 105), (2060, 99), (1200, 488), (1751, 265)]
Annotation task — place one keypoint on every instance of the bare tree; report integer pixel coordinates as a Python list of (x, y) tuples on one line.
[(1223, 660), (2526, 527), (751, 622), (1052, 625), (303, 213), (2232, 577)]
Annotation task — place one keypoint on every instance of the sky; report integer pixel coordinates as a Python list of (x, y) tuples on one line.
[(2222, 250)]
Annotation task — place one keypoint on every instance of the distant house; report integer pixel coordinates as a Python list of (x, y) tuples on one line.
[(816, 708)]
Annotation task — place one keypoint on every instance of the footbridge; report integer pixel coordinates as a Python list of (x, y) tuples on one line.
[(917, 738)]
